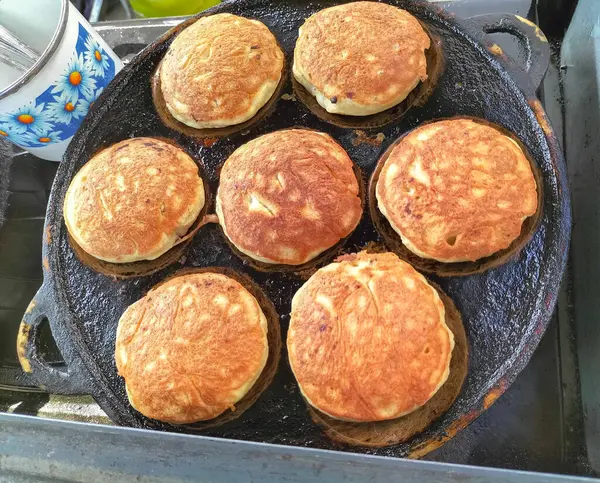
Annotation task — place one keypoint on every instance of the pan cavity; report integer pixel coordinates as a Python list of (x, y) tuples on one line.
[(417, 97)]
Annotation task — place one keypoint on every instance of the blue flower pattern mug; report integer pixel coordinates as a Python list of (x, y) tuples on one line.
[(45, 124)]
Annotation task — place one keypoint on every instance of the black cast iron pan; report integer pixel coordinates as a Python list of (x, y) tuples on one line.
[(505, 310)]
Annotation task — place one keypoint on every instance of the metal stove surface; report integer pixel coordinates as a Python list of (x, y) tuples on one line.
[(536, 425)]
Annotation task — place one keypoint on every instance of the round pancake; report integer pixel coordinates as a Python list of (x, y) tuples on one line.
[(133, 201), (456, 190), (287, 196), (360, 58), (220, 71), (393, 431), (367, 339), (191, 348)]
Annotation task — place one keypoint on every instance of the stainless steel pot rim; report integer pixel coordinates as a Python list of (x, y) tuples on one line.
[(46, 55)]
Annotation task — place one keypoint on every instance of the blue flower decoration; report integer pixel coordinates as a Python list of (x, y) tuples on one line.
[(77, 80), (56, 113), (30, 118), (95, 56), (64, 109), (44, 138), (7, 131), (84, 105)]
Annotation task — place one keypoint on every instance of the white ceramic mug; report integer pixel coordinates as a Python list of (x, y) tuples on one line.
[(41, 109)]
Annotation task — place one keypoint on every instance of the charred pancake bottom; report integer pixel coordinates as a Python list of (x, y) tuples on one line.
[(368, 339)]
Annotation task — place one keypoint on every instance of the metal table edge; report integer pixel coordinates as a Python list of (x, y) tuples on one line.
[(84, 451)]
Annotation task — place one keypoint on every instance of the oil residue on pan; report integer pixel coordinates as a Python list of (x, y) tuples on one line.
[(504, 310)]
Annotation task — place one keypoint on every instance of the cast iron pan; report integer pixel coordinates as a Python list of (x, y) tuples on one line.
[(505, 310)]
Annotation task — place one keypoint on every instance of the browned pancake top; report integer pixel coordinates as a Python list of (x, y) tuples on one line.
[(133, 200), (366, 52), (457, 190), (287, 196), (217, 68), (191, 348), (367, 338)]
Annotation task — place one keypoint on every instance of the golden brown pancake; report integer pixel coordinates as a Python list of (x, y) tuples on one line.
[(133, 201), (191, 348), (394, 431), (367, 339), (456, 190), (220, 71), (287, 196), (360, 58)]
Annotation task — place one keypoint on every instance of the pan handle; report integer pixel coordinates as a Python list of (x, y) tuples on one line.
[(69, 378), (529, 35)]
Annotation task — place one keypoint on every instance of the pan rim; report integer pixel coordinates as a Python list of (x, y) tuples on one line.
[(539, 311)]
